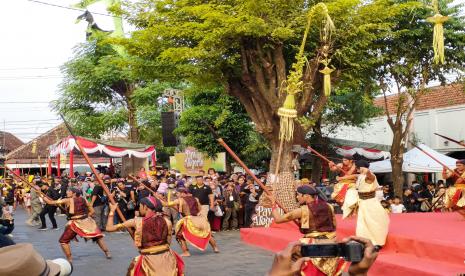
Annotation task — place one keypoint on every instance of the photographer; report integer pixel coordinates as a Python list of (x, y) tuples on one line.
[(289, 261), (317, 223)]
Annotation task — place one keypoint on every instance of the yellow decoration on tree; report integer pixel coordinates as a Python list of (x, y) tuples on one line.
[(438, 36), (438, 33), (294, 85), (326, 78)]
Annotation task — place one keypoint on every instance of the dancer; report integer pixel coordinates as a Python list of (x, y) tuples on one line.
[(345, 188), (80, 222), (193, 226), (152, 237), (455, 195), (372, 219), (318, 224)]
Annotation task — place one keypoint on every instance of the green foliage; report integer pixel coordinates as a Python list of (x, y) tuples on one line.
[(349, 107), (257, 153), (219, 110), (89, 98), (406, 56), (98, 88)]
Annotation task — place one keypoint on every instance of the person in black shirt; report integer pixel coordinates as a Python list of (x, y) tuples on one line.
[(10, 193), (204, 194), (409, 201), (122, 196), (98, 203), (49, 209)]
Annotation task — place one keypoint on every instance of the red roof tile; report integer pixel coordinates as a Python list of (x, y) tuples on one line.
[(435, 97)]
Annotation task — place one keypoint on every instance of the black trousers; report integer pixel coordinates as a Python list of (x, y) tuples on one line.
[(50, 210)]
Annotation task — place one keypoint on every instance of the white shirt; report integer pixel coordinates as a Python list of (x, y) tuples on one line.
[(397, 209)]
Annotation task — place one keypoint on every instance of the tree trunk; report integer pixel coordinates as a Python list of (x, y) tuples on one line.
[(397, 159), (317, 144), (133, 134)]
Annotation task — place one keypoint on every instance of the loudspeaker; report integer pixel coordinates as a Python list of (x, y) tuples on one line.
[(168, 124)]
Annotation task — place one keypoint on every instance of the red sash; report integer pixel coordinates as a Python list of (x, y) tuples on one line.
[(342, 194), (456, 197)]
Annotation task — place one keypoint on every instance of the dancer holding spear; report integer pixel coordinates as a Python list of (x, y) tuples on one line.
[(344, 192), (454, 195), (152, 235)]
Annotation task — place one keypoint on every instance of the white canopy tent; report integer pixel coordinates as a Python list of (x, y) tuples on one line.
[(416, 161)]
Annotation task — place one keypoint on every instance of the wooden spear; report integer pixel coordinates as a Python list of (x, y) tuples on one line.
[(239, 161), (94, 171), (450, 139), (324, 158), (439, 162), (139, 182), (35, 187)]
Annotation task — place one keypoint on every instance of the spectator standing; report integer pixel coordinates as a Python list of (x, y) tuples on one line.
[(36, 207), (49, 209), (216, 215), (252, 195), (204, 194), (231, 206), (142, 173), (98, 202)]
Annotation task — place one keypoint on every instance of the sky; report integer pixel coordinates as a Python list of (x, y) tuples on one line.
[(36, 40)]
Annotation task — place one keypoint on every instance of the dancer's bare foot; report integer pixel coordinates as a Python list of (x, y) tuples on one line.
[(108, 254), (216, 250), (185, 254)]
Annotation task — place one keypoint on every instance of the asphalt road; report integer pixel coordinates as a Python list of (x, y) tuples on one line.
[(236, 258)]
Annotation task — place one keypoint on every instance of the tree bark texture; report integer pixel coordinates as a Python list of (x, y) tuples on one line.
[(260, 87), (397, 159), (133, 134)]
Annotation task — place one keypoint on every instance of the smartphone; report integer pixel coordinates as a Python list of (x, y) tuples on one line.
[(351, 251)]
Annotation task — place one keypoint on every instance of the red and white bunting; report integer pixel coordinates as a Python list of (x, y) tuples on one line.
[(68, 144)]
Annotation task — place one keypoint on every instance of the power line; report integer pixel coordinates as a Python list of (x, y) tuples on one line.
[(31, 77), (70, 8), (43, 120), (29, 68), (18, 102)]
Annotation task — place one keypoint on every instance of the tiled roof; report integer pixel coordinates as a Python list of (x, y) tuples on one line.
[(435, 97), (43, 141), (11, 142)]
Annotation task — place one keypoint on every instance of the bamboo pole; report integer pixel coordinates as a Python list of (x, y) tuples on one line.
[(324, 158), (139, 182), (450, 139), (100, 181), (239, 161), (35, 187), (439, 162)]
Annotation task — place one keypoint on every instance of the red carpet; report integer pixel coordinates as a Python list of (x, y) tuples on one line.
[(418, 243)]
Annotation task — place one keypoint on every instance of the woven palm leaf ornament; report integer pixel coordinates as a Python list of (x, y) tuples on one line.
[(294, 83), (326, 71), (438, 33)]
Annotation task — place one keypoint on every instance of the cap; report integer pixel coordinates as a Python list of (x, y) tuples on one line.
[(307, 190)]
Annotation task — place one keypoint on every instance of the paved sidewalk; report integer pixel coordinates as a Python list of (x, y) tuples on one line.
[(236, 258)]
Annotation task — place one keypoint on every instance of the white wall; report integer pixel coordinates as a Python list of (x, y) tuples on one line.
[(449, 121)]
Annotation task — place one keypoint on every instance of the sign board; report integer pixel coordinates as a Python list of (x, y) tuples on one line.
[(191, 161)]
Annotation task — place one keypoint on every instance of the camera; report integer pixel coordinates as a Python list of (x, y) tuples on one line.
[(351, 251)]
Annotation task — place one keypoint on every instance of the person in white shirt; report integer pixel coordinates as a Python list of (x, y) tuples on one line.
[(397, 207)]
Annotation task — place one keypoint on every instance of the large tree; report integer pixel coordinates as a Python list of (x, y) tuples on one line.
[(221, 111), (408, 67), (249, 47)]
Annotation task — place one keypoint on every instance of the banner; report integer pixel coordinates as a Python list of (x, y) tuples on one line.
[(191, 161)]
